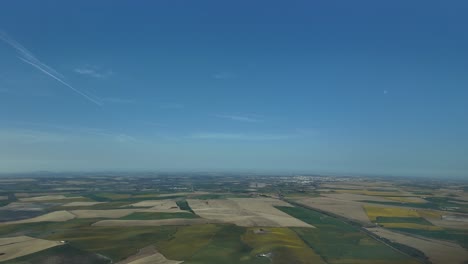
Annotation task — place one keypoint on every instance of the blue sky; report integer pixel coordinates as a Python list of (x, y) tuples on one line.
[(352, 87)]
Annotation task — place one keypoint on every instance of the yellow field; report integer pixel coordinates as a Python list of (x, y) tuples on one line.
[(411, 225), (286, 246), (405, 199), (430, 214), (374, 211)]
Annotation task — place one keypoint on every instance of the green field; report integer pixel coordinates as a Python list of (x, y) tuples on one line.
[(283, 243), (339, 242), (183, 205), (226, 246), (114, 242)]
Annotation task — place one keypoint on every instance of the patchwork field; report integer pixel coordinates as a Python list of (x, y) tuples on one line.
[(232, 220), (339, 242)]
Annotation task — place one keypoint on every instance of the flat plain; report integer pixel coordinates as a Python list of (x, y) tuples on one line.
[(241, 218)]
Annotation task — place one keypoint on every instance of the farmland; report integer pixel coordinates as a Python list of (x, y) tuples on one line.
[(240, 219)]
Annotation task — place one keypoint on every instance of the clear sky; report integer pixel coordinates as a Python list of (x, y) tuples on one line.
[(371, 87)]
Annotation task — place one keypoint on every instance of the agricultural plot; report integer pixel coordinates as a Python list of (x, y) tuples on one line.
[(60, 254), (111, 213), (73, 204), (46, 198), (405, 199), (283, 244), (162, 222), (187, 241), (348, 209), (438, 251), (156, 258), (393, 217), (375, 211), (14, 247), (450, 221), (226, 246), (57, 216), (246, 212), (157, 216), (116, 243), (148, 255), (159, 205), (374, 193), (339, 242)]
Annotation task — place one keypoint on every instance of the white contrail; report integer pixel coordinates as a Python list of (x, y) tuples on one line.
[(59, 80), (26, 53), (27, 57)]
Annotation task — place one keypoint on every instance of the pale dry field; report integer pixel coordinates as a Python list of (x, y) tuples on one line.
[(46, 198), (163, 222), (57, 216), (449, 223), (156, 258), (438, 251), (111, 213), (148, 255), (159, 205), (345, 208), (22, 206), (14, 247), (82, 203), (246, 212)]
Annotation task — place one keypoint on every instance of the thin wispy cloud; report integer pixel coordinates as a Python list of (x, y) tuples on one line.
[(241, 136), (27, 57), (94, 72), (239, 118), (27, 136), (30, 132), (124, 138)]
